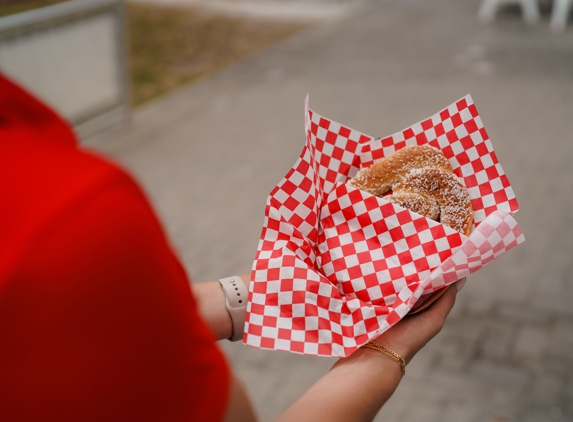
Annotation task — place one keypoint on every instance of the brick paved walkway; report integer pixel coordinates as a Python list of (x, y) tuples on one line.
[(209, 155)]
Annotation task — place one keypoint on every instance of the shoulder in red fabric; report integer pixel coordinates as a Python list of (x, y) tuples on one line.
[(24, 117), (97, 319)]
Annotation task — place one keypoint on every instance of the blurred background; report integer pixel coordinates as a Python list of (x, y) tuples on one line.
[(203, 102)]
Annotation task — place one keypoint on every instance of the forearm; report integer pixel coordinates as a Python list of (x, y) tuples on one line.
[(210, 299), (355, 389)]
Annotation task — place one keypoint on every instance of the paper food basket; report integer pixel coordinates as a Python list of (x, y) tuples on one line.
[(336, 266)]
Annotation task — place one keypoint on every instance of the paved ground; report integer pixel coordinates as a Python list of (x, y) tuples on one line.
[(209, 155), (289, 10)]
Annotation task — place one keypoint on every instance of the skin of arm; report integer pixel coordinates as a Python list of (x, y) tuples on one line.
[(356, 387), (210, 299)]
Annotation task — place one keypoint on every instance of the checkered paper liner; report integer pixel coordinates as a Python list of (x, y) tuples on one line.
[(336, 266)]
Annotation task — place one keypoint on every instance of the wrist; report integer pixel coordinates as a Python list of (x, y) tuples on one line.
[(381, 362), (405, 351), (369, 366), (389, 353), (210, 300), (236, 296)]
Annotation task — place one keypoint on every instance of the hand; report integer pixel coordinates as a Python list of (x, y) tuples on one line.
[(408, 336), (358, 385)]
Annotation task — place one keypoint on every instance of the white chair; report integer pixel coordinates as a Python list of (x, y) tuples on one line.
[(559, 15), (529, 9)]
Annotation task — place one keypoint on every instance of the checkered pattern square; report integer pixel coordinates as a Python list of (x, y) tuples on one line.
[(491, 239), (336, 267)]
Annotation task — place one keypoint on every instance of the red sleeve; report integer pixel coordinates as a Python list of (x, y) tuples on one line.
[(98, 323)]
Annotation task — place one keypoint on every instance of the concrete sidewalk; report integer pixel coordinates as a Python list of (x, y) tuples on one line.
[(281, 10), (208, 156)]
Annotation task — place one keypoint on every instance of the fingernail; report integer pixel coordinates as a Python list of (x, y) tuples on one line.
[(460, 284)]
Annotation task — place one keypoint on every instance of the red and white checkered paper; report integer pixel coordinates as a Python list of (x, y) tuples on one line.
[(336, 266)]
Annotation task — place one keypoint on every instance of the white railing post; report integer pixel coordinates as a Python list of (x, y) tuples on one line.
[(73, 56)]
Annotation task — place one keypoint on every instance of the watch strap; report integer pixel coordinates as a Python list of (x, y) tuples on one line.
[(236, 295)]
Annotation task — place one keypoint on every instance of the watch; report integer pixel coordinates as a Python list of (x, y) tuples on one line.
[(236, 295)]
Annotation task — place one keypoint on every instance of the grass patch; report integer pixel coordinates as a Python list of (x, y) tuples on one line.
[(173, 46)]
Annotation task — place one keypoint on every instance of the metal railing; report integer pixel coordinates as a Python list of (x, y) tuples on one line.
[(73, 56)]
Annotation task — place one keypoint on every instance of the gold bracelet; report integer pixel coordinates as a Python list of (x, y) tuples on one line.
[(388, 353)]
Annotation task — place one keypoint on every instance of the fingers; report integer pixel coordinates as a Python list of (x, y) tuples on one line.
[(444, 305)]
